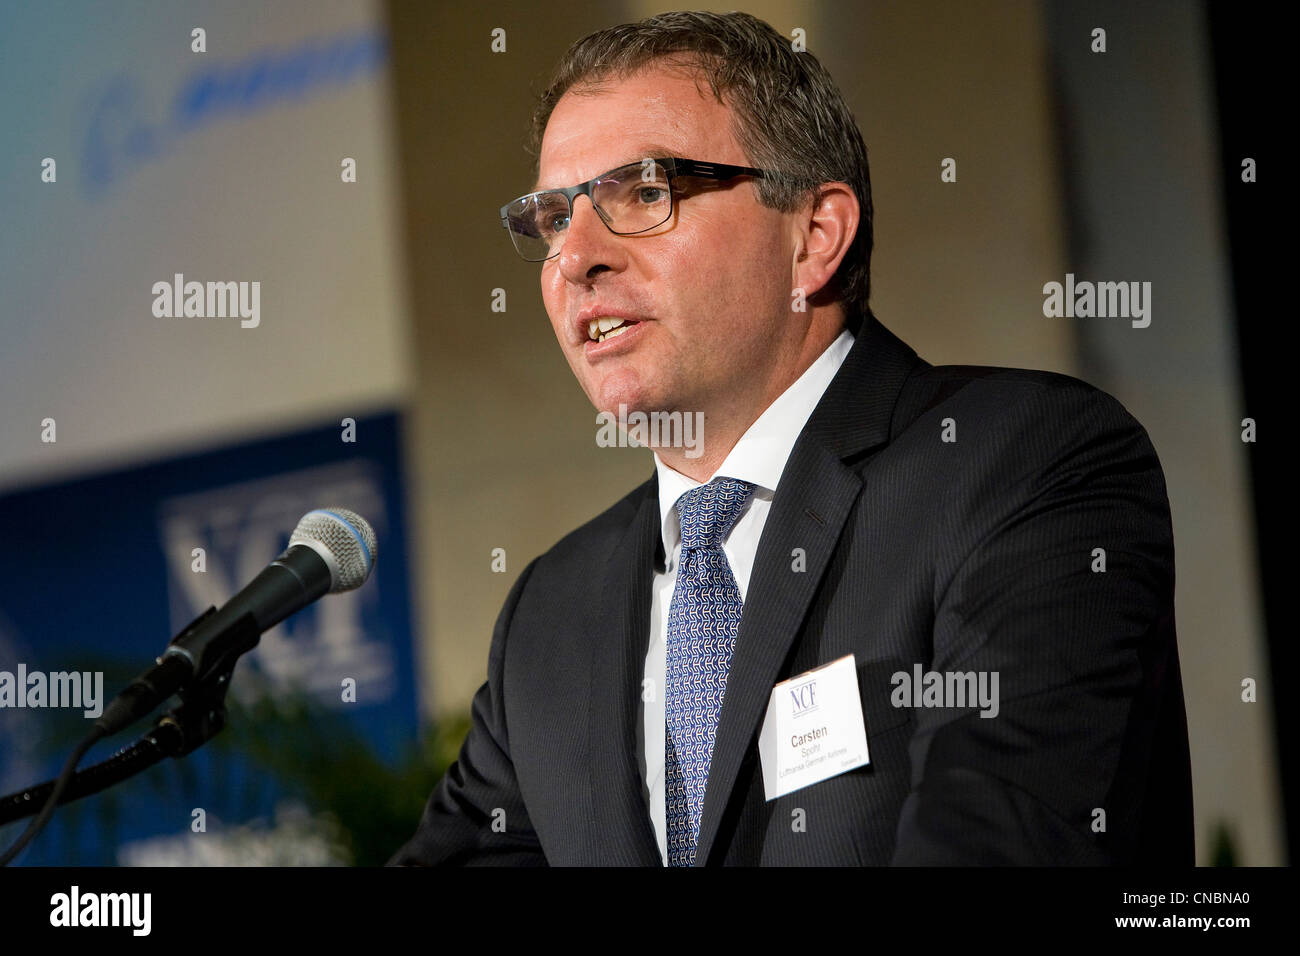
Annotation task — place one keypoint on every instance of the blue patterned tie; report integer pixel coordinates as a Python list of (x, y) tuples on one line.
[(702, 623)]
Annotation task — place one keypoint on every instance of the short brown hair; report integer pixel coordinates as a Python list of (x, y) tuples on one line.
[(790, 115)]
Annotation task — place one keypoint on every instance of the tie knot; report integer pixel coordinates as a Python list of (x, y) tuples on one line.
[(709, 512)]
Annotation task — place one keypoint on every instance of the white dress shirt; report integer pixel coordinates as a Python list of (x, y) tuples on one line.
[(759, 458)]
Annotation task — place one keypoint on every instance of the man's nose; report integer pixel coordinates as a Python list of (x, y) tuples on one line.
[(588, 245)]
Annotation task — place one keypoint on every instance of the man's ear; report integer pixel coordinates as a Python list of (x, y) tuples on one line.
[(826, 227)]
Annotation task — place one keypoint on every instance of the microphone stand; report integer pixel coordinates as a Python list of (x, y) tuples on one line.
[(199, 717)]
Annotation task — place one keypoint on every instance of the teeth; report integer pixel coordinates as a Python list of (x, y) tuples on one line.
[(613, 332), (597, 328)]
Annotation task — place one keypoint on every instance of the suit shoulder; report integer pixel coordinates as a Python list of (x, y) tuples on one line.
[(989, 393), (997, 445)]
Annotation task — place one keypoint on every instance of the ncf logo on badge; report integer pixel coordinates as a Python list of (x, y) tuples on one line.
[(804, 698)]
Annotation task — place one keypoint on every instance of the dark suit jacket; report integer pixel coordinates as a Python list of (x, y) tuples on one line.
[(970, 555)]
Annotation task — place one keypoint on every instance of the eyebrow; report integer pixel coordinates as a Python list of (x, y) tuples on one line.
[(646, 151)]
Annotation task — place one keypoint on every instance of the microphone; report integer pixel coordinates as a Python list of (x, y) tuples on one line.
[(331, 550)]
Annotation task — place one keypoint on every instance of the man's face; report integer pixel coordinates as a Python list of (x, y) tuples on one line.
[(709, 291)]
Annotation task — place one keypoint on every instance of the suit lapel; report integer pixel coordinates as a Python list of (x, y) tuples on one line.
[(622, 832), (816, 494)]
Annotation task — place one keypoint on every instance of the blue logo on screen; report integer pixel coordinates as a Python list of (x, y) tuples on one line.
[(123, 131)]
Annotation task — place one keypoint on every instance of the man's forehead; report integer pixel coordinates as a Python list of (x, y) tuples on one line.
[(636, 151), (664, 109)]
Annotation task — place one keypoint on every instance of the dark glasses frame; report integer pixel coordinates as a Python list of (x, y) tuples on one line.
[(673, 167)]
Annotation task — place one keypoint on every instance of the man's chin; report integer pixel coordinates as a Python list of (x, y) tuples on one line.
[(610, 397), (622, 408)]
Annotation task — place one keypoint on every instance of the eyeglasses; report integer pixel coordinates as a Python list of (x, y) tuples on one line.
[(630, 199)]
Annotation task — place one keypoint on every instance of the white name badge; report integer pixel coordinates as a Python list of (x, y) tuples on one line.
[(813, 729)]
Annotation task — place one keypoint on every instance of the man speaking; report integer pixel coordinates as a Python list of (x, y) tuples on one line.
[(881, 612)]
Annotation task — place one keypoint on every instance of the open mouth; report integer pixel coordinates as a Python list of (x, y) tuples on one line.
[(598, 330)]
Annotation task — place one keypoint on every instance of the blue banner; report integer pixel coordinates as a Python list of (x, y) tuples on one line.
[(97, 574)]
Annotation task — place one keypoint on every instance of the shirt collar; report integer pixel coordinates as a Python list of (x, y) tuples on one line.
[(762, 452)]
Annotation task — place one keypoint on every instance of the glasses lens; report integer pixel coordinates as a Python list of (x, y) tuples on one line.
[(536, 222), (632, 199), (635, 198)]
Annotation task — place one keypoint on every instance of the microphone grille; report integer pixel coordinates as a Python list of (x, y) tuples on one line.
[(347, 537)]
